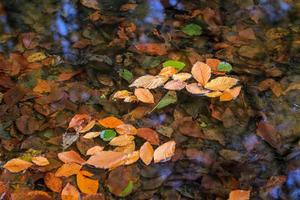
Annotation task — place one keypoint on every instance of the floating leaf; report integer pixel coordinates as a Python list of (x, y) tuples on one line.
[(148, 134), (221, 83), (239, 195), (181, 76), (122, 94), (126, 74), (88, 127), (52, 182), (213, 63), (194, 88), (230, 94), (146, 153), (70, 157), (144, 95), (149, 81), (86, 185), (67, 170), (16, 165), (201, 72), (122, 140), (94, 150), (40, 161), (126, 129), (192, 29), (167, 71), (164, 152), (70, 193), (107, 159), (213, 94), (110, 122), (35, 57), (175, 64), (126, 149), (175, 85), (107, 135), (91, 135), (132, 157), (78, 120), (130, 99), (168, 99), (224, 67)]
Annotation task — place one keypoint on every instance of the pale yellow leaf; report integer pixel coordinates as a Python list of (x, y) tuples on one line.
[(213, 94), (126, 149), (181, 76), (40, 161), (94, 150), (132, 157), (221, 83), (164, 152), (144, 95), (167, 71), (127, 129), (16, 165), (201, 72), (122, 140), (149, 81), (91, 135)]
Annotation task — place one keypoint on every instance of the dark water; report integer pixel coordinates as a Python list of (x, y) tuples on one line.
[(253, 143)]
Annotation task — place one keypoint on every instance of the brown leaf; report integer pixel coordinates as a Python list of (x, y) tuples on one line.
[(70, 193), (122, 140), (148, 134), (239, 195), (187, 126), (94, 150), (126, 129), (70, 157), (194, 88), (175, 85), (265, 84), (164, 152), (201, 72), (82, 43), (40, 161), (158, 49), (267, 132), (43, 86), (86, 185), (126, 149), (230, 94), (107, 159), (98, 196), (16, 165), (110, 122), (90, 4), (293, 86), (144, 95), (68, 169), (221, 83), (277, 89), (67, 75), (52, 182), (146, 153)]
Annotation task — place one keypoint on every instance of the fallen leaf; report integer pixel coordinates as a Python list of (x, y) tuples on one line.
[(40, 161), (194, 88), (86, 185), (164, 152), (277, 89), (70, 193), (88, 127), (132, 157), (37, 194), (221, 83), (107, 159), (67, 170), (108, 135), (110, 122), (213, 94), (95, 16), (128, 6), (167, 71), (268, 132), (265, 84), (35, 57), (181, 76), (131, 99), (148, 134), (67, 75), (293, 86), (126, 129), (144, 95), (70, 157), (169, 98), (149, 81), (175, 64), (52, 182), (94, 150), (78, 120), (90, 4), (230, 94), (126, 149), (98, 196), (175, 85), (122, 140), (146, 153), (82, 43), (213, 63), (239, 195), (152, 48), (122, 94), (43, 86), (201, 72), (16, 165), (91, 135)]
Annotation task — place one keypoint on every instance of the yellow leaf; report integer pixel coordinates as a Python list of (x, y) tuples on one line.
[(110, 122), (86, 185), (149, 81), (16, 165), (35, 57), (130, 99), (201, 72), (68, 169), (126, 129), (122, 94), (94, 150), (221, 83), (175, 85), (132, 157), (230, 94), (181, 76), (40, 161), (167, 71), (146, 153), (107, 159), (70, 193), (122, 140), (213, 94), (293, 86), (164, 152), (144, 95), (91, 135)]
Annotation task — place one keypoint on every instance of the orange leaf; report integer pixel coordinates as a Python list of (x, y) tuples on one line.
[(67, 75), (164, 152), (152, 48), (194, 88), (107, 159), (70, 157), (86, 185), (146, 153), (126, 129), (132, 157), (239, 195), (68, 169), (40, 161), (213, 94), (175, 85), (144, 95), (213, 63), (43, 86), (52, 182), (122, 140), (122, 94), (149, 134), (201, 72), (277, 89), (230, 94), (88, 127), (37, 194), (70, 193), (94, 150), (126, 149), (221, 83), (110, 122), (16, 165), (168, 71)]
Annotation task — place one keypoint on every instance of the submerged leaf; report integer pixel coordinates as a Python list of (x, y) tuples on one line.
[(164, 152), (175, 64), (144, 95), (221, 83), (126, 74), (152, 48), (201, 72), (192, 29), (168, 99)]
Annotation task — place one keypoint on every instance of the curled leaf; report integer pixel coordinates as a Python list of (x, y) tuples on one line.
[(201, 72), (164, 152), (146, 153), (144, 95), (221, 83), (78, 120), (175, 85)]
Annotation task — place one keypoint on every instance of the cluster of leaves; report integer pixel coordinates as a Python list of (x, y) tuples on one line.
[(221, 86)]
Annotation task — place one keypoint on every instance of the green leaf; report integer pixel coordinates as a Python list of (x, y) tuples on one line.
[(127, 190), (126, 74), (173, 63), (108, 134), (192, 30), (168, 99), (224, 67)]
